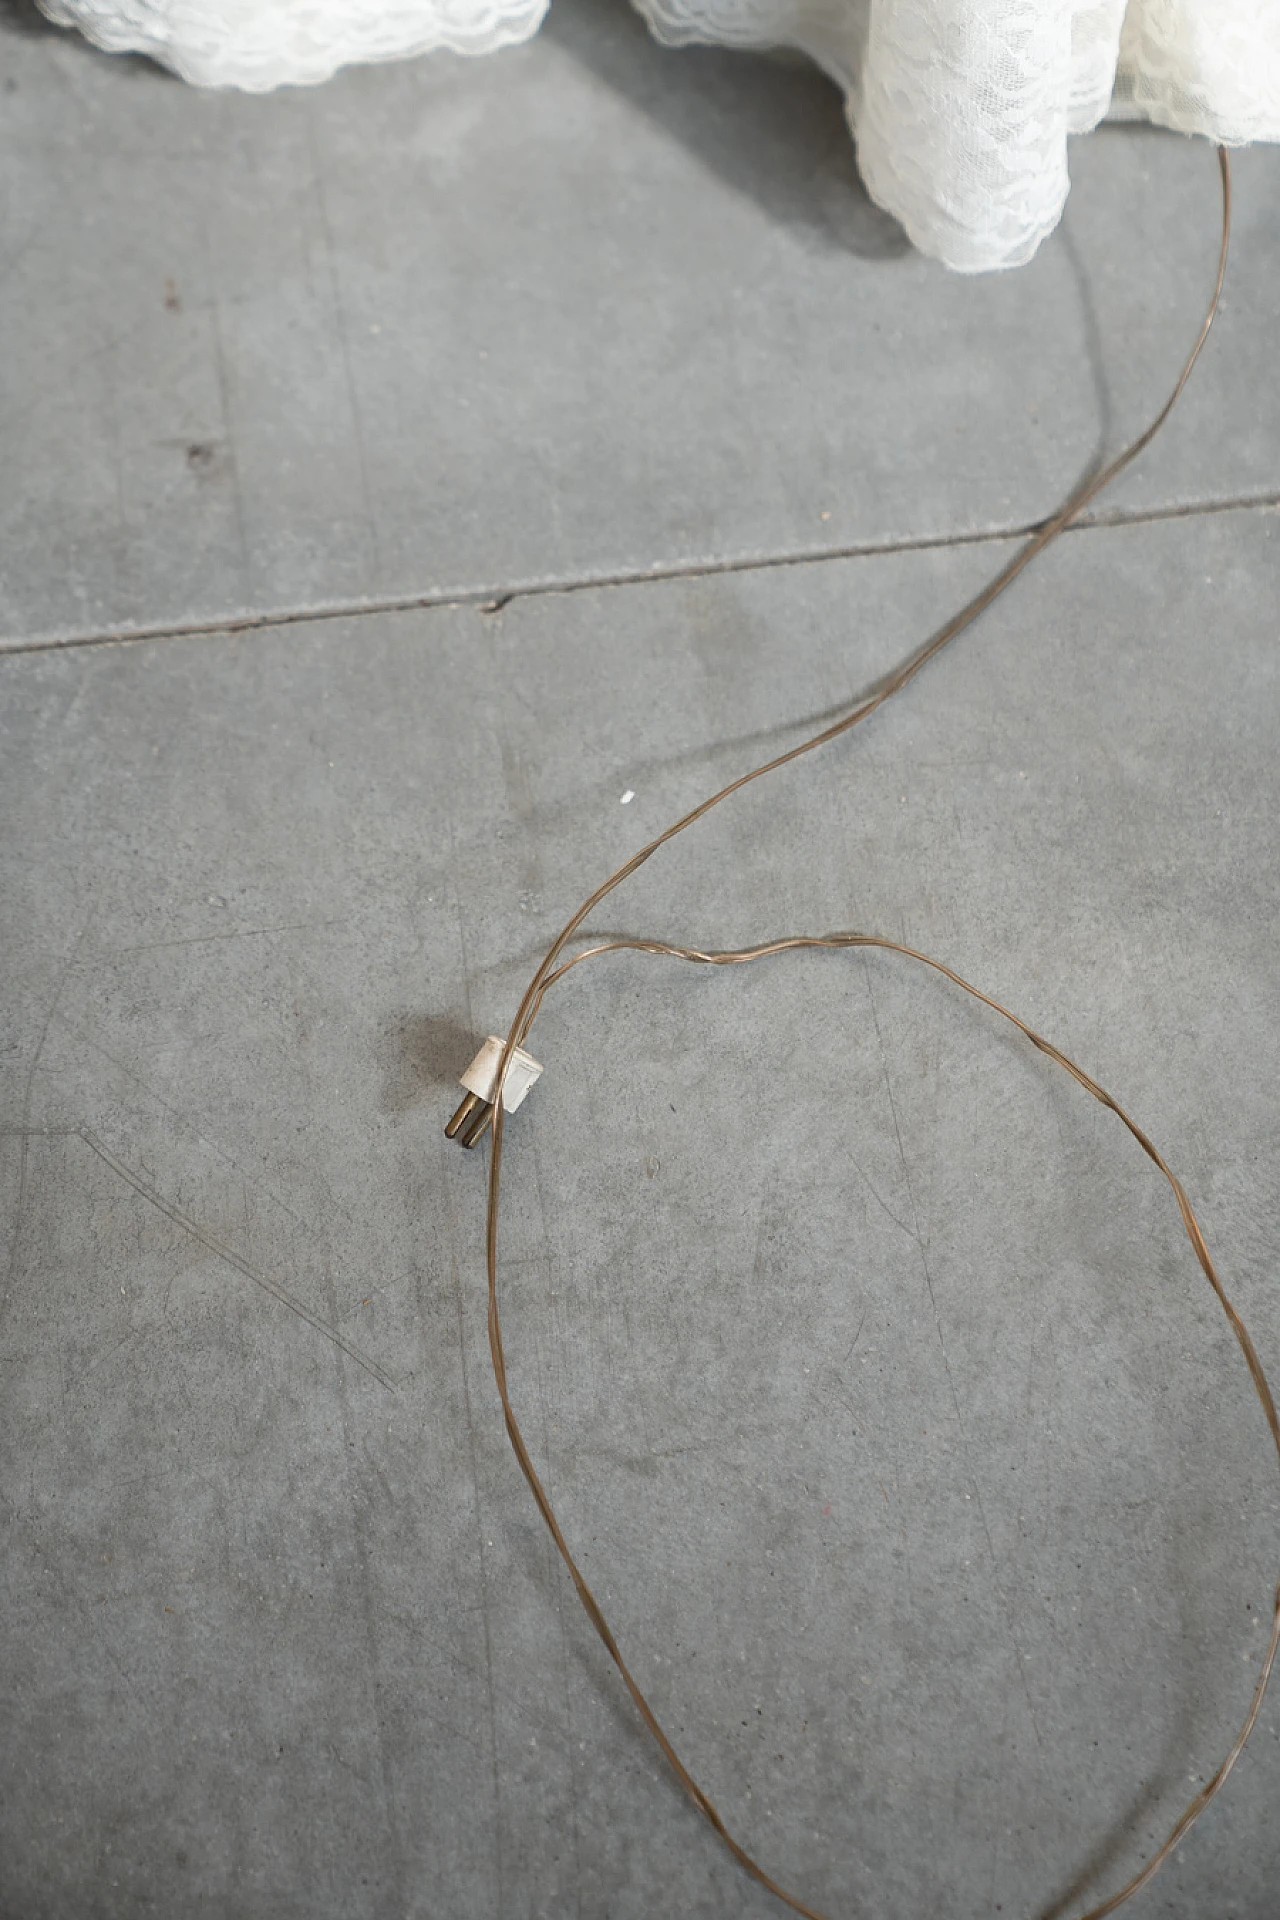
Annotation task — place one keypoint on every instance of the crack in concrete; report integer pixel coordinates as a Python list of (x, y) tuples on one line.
[(495, 599)]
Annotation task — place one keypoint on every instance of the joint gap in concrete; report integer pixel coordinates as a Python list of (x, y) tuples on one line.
[(493, 600)]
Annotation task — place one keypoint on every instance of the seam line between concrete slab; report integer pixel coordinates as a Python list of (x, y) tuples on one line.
[(496, 599)]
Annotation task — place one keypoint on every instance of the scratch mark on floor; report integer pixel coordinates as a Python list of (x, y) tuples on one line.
[(199, 1127), (204, 939), (883, 1205), (857, 1336), (25, 1128), (224, 1252), (223, 375), (360, 1522), (39, 1133), (344, 341)]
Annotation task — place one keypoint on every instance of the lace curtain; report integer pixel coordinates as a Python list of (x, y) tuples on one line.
[(960, 108)]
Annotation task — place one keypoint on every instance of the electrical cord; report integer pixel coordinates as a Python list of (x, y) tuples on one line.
[(511, 1060)]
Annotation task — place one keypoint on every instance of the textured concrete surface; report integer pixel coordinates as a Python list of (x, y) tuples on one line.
[(588, 308), (876, 1383), (866, 1361)]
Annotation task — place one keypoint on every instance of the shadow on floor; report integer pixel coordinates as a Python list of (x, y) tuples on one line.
[(23, 16), (772, 129), (418, 1054), (24, 20)]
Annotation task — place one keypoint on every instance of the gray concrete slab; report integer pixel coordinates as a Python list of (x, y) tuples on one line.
[(875, 1382), (585, 309)]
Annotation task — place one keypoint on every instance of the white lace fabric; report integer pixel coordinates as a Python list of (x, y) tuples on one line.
[(260, 44), (961, 109)]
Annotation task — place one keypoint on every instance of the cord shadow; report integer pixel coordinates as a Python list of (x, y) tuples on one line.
[(771, 129), (418, 1053)]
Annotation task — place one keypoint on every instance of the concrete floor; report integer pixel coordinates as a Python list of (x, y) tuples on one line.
[(865, 1359)]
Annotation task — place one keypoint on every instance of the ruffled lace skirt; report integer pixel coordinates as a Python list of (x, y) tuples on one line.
[(960, 108)]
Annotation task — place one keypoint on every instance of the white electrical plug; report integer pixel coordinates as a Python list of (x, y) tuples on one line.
[(476, 1111)]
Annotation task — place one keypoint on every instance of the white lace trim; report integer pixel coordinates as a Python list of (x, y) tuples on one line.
[(260, 44), (960, 108)]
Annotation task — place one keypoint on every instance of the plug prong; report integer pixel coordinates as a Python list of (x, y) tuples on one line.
[(480, 1082), (475, 1127), (463, 1114)]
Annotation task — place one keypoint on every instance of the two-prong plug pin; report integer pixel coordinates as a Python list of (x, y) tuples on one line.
[(476, 1111)]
